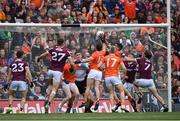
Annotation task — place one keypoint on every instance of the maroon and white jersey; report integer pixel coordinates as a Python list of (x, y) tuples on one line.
[(131, 71), (18, 70), (58, 58), (144, 68)]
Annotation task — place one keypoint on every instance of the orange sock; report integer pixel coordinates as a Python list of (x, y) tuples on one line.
[(117, 100)]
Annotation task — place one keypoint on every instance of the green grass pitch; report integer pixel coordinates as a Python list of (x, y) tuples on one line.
[(93, 117)]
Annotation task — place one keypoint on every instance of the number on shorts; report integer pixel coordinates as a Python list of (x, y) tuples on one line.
[(18, 67), (147, 66), (57, 56), (113, 60)]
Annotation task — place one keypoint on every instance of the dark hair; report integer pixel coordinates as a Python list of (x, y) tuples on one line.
[(77, 52), (99, 46), (119, 45), (112, 49), (19, 54), (148, 54), (60, 41)]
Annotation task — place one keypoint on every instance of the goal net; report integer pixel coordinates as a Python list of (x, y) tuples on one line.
[(33, 40)]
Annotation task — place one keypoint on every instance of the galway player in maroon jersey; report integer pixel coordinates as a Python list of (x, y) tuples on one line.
[(130, 78), (145, 79), (19, 71), (59, 55)]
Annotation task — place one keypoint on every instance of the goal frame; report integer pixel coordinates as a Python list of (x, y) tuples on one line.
[(166, 25)]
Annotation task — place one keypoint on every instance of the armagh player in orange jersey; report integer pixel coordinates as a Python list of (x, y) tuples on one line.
[(112, 63), (69, 86), (126, 91), (94, 77)]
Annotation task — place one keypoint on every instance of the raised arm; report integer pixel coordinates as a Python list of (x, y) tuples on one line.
[(123, 68), (87, 60), (101, 65), (9, 76), (41, 56)]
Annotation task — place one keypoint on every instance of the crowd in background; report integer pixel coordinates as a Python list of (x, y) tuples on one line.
[(88, 11)]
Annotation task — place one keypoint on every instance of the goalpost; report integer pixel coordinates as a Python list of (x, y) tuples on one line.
[(166, 25)]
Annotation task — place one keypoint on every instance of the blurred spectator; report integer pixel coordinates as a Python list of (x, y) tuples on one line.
[(3, 82), (42, 83), (60, 94), (3, 61), (37, 92), (176, 94), (2, 14), (130, 8)]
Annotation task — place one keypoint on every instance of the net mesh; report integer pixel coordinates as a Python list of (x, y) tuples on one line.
[(34, 40)]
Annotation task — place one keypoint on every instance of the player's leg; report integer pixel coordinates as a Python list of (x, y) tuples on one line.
[(67, 91), (119, 86), (153, 90), (138, 93), (10, 100), (111, 91), (82, 88), (23, 90), (23, 100), (117, 100), (50, 85), (56, 81), (89, 84), (76, 94), (130, 97), (98, 81), (70, 104), (96, 87), (89, 103), (13, 87), (111, 97)]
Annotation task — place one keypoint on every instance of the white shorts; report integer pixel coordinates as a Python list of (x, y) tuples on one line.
[(112, 80), (18, 86), (56, 75), (145, 83), (95, 74), (70, 88), (129, 87)]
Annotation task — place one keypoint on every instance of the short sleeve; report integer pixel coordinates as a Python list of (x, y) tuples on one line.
[(93, 56), (26, 64), (66, 67), (138, 60)]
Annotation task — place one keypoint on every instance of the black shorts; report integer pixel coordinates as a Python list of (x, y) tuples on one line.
[(81, 86)]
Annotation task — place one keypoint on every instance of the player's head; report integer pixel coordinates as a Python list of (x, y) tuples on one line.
[(148, 54), (60, 42), (19, 54), (112, 49), (99, 46), (119, 46), (78, 55)]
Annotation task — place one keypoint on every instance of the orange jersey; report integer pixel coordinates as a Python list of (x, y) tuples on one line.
[(118, 53), (96, 58), (70, 77), (112, 63)]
